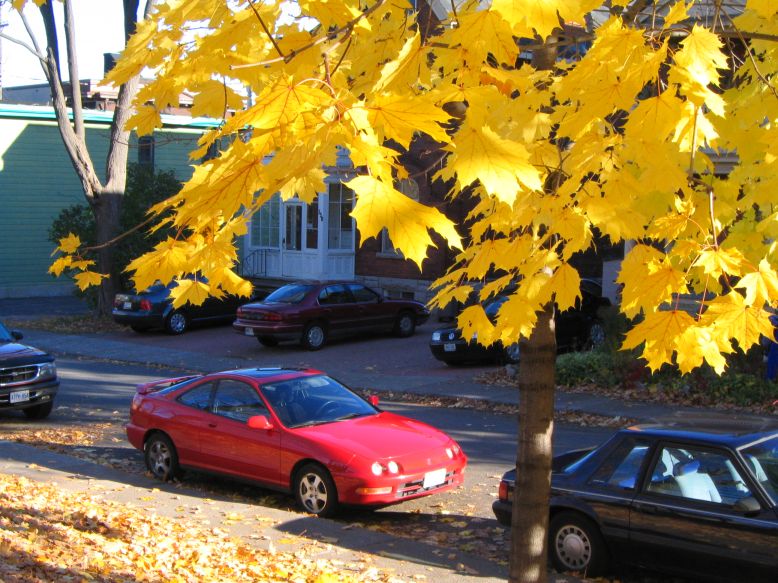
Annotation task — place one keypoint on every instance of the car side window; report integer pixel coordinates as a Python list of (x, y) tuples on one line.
[(621, 468), (237, 400), (697, 474), (362, 294), (199, 397), (334, 294)]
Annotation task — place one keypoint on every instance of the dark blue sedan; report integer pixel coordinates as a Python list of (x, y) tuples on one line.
[(697, 496), (153, 308)]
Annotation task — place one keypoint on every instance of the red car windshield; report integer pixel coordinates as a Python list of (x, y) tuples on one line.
[(314, 400)]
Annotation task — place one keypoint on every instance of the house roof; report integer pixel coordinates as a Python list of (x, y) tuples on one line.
[(46, 113)]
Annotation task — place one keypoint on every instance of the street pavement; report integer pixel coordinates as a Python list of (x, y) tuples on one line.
[(406, 559)]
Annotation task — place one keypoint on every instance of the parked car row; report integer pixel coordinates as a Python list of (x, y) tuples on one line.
[(312, 312)]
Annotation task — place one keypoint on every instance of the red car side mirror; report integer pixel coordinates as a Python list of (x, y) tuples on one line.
[(373, 400), (259, 422)]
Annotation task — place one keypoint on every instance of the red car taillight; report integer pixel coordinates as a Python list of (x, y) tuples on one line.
[(145, 305), (502, 493)]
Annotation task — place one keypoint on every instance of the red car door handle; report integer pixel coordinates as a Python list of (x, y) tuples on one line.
[(212, 425)]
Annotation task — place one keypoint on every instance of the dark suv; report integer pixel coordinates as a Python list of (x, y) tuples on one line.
[(28, 376)]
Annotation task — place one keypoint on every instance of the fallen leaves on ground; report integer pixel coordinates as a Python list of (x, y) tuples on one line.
[(50, 535), (571, 416), (78, 324)]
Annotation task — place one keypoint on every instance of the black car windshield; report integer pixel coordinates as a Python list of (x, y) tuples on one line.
[(5, 335), (293, 293), (762, 460), (314, 400)]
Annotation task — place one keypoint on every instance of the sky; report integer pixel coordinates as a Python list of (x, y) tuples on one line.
[(98, 30)]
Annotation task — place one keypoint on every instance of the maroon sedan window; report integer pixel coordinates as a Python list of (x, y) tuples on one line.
[(288, 294), (335, 294), (362, 294)]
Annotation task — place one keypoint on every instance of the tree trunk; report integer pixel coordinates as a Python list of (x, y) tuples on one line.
[(107, 208), (529, 522)]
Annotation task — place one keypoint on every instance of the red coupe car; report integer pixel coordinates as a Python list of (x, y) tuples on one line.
[(292, 430)]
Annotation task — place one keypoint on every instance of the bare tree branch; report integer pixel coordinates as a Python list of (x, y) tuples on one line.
[(75, 79)]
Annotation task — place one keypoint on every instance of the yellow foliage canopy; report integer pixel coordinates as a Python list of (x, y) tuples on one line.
[(623, 138)]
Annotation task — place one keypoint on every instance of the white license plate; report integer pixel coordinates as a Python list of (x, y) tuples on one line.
[(436, 478), (449, 347), (127, 305), (20, 396), (248, 331)]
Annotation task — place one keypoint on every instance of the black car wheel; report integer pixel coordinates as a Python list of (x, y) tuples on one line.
[(596, 336), (314, 336), (575, 544), (267, 341), (161, 457), (39, 411), (405, 325), (177, 322), (315, 491)]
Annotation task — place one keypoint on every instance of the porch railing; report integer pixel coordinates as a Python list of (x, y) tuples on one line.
[(254, 264)]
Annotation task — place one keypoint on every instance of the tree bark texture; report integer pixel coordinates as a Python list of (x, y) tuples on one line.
[(529, 522)]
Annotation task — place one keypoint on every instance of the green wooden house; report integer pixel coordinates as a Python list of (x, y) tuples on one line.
[(37, 181)]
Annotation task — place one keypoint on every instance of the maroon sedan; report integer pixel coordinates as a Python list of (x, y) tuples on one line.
[(311, 312), (292, 430)]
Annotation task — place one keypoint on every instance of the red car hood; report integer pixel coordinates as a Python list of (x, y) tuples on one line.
[(382, 436)]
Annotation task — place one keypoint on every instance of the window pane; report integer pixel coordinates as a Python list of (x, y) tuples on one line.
[(199, 397), (312, 226), (622, 466), (237, 400), (340, 233), (265, 224), (698, 475)]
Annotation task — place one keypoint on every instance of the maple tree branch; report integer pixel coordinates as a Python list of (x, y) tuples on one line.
[(118, 238), (23, 45), (751, 58), (265, 28), (346, 28)]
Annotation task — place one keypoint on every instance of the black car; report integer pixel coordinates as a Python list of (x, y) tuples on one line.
[(696, 496), (28, 377), (153, 308), (576, 329)]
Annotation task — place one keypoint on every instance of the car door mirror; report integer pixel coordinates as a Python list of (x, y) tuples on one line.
[(17, 335), (259, 422), (373, 400), (748, 506)]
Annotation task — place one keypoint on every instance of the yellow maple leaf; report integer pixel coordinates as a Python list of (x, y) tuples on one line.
[(69, 244), (733, 318), (215, 99), (409, 69), (144, 121), (189, 291), (542, 16), (502, 166), (398, 117), (86, 279), (645, 290), (761, 286), (380, 205), (698, 344), (566, 284), (475, 324), (60, 265), (718, 262), (517, 318), (659, 331), (677, 13)]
